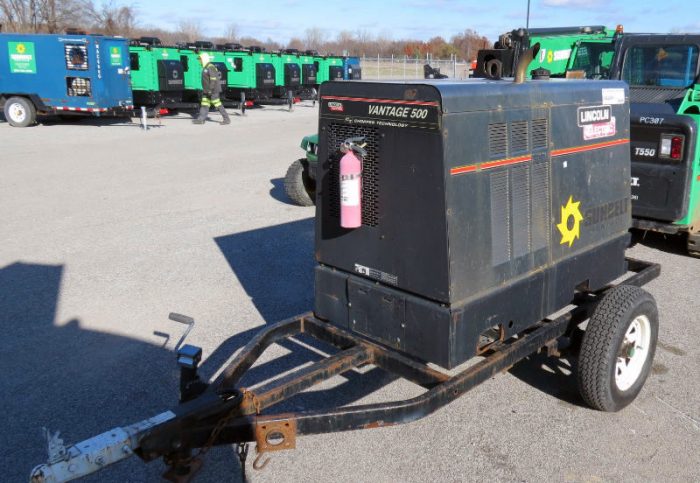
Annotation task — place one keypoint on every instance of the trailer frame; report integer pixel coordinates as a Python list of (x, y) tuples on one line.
[(222, 413)]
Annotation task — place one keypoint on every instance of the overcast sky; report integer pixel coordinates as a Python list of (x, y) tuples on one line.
[(421, 19)]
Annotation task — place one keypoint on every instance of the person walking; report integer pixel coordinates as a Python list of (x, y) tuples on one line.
[(211, 91)]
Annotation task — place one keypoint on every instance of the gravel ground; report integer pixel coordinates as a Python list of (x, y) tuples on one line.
[(107, 228)]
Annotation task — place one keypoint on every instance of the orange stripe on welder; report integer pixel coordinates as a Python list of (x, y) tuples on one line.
[(381, 101), (590, 147), (463, 169), (505, 162), (490, 164)]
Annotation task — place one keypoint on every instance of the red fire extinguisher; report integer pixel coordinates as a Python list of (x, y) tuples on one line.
[(351, 183)]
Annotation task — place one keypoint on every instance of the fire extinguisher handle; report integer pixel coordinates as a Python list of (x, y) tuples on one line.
[(356, 144)]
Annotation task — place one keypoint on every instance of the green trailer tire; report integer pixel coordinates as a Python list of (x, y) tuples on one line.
[(19, 112), (298, 185), (618, 348)]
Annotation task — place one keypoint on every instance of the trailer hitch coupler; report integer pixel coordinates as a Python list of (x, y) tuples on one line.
[(524, 62)]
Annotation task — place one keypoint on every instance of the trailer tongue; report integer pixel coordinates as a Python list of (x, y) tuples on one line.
[(484, 207)]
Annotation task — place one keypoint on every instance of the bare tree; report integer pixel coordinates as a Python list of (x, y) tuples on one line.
[(45, 15), (231, 33), (113, 19), (295, 43), (190, 30), (17, 15), (314, 38)]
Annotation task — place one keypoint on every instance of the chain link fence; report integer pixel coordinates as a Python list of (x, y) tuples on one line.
[(405, 68)]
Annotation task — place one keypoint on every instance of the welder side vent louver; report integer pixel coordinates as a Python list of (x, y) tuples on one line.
[(521, 211), (498, 140), (519, 137), (500, 218), (540, 203), (370, 170), (540, 133)]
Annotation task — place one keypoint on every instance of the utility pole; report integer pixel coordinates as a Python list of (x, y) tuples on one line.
[(527, 19)]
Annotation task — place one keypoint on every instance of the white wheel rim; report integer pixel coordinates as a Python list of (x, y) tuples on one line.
[(633, 353), (17, 112)]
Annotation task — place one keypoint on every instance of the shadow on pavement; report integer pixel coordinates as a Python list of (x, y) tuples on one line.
[(553, 376), (673, 244), (81, 382), (123, 121), (275, 266)]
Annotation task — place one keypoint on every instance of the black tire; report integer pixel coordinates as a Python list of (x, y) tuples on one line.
[(20, 112), (298, 185), (603, 343)]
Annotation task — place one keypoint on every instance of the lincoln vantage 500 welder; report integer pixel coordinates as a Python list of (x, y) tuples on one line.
[(491, 218), (485, 207)]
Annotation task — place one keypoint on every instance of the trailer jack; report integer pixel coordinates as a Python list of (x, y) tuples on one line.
[(223, 413)]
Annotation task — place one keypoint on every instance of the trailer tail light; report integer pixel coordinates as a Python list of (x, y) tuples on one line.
[(676, 147), (671, 146), (249, 104), (163, 111)]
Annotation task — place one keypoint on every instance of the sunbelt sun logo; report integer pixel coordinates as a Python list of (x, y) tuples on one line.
[(22, 59), (115, 56)]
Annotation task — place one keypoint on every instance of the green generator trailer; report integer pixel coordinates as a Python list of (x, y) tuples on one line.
[(287, 73), (251, 75), (224, 60), (334, 68), (193, 73), (309, 75), (157, 74), (556, 48), (322, 64), (169, 78)]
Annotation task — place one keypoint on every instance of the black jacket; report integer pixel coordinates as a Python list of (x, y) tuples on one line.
[(211, 80)]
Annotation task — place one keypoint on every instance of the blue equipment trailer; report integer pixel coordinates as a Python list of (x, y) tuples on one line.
[(352, 69), (63, 74)]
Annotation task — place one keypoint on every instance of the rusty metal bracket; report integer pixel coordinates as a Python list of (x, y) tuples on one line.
[(552, 348), (277, 435), (273, 436)]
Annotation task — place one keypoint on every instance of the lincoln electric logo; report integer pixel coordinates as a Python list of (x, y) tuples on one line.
[(594, 115), (335, 106)]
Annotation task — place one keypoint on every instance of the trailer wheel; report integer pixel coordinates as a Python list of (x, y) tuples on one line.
[(618, 348), (298, 185), (20, 112)]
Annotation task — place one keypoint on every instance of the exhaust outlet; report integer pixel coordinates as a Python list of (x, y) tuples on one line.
[(524, 61)]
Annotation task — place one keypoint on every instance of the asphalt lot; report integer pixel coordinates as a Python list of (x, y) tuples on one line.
[(107, 228)]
